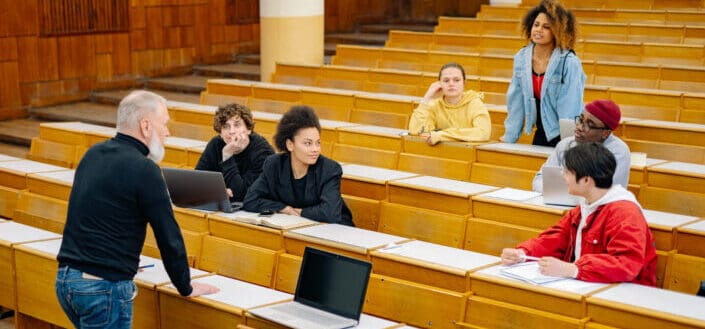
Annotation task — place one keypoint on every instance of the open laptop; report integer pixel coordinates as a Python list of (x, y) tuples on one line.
[(198, 189), (567, 128), (329, 293), (555, 190)]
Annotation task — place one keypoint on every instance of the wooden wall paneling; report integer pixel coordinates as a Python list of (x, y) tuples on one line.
[(103, 43), (32, 66), (104, 66), (185, 15), (188, 36), (138, 40), (121, 54), (8, 49), (217, 11), (138, 18), (170, 16), (19, 18), (172, 37), (76, 56), (10, 85), (231, 33), (247, 33), (201, 32), (155, 27), (217, 34)]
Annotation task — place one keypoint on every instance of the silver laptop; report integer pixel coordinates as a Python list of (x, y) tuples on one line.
[(555, 190), (329, 293), (567, 127), (198, 189)]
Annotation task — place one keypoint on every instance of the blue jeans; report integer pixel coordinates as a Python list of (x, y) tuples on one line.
[(91, 302)]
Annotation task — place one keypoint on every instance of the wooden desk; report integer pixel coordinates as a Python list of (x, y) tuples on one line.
[(428, 192), (369, 182), (234, 87), (220, 310), (666, 132), (446, 159), (193, 154), (36, 267), (8, 201), (430, 264), (176, 150), (11, 234), (375, 137), (679, 176), (496, 298), (637, 172), (71, 132), (346, 240), (690, 239), (146, 304), (13, 174), (528, 212), (501, 223), (223, 225), (191, 113), (55, 184), (663, 226), (41, 211), (366, 322), (521, 156), (416, 304), (192, 219), (330, 104), (629, 305)]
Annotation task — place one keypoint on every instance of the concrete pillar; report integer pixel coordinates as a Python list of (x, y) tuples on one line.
[(291, 31)]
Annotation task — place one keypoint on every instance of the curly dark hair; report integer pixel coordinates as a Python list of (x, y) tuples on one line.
[(454, 65), (563, 23), (298, 117), (227, 111)]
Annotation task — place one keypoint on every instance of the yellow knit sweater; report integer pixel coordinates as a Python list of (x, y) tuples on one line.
[(468, 120)]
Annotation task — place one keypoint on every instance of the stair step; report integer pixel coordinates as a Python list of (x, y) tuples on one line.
[(15, 150), (95, 113), (385, 28), (232, 70), (248, 58), (19, 131), (113, 97), (193, 84), (357, 38)]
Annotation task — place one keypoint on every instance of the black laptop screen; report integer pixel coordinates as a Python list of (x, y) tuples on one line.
[(333, 283)]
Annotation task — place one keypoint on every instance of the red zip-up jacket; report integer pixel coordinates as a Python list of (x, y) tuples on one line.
[(617, 245)]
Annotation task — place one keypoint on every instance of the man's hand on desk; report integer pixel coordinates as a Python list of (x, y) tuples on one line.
[(202, 289), (555, 267), (511, 256)]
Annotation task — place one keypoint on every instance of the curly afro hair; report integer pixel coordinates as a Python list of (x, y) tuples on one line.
[(563, 23), (298, 117), (227, 111)]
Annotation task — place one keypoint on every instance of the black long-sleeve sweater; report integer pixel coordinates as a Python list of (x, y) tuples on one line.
[(240, 170), (116, 191)]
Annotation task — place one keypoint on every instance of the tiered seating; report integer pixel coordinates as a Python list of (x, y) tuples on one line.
[(458, 298)]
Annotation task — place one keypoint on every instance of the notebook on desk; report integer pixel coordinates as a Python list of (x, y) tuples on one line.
[(198, 189), (555, 190), (329, 293)]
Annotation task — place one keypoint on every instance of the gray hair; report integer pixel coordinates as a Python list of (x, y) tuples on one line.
[(135, 106)]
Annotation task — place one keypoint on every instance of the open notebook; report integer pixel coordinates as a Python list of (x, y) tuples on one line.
[(276, 220), (528, 272)]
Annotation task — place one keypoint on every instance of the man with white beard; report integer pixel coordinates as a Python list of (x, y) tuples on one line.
[(118, 188)]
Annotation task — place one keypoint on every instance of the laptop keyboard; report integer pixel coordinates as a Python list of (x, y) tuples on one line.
[(308, 317)]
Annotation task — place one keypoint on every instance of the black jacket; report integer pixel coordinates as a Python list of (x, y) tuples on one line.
[(321, 201), (241, 170), (116, 191)]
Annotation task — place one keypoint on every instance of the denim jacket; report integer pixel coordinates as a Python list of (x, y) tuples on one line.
[(561, 93)]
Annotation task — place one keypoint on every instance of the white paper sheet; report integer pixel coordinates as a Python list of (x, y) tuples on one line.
[(512, 194), (376, 173)]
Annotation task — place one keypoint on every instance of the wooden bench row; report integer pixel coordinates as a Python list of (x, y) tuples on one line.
[(633, 52), (604, 31), (599, 73), (662, 16), (626, 4), (634, 102), (479, 297)]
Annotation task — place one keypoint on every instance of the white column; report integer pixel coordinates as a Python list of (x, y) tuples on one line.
[(291, 31)]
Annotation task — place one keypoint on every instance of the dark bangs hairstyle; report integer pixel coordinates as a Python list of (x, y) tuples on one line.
[(591, 160)]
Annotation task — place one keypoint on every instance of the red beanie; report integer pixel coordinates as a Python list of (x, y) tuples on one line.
[(605, 110)]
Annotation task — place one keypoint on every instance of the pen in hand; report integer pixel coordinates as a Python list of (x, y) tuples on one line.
[(142, 267), (531, 258)]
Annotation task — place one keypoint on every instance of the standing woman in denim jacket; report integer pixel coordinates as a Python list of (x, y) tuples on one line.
[(548, 79)]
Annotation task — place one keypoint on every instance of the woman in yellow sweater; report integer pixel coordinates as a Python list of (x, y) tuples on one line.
[(448, 113)]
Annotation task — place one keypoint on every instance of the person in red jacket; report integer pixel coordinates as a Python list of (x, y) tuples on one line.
[(605, 238)]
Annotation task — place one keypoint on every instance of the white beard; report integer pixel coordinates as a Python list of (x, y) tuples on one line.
[(156, 149)]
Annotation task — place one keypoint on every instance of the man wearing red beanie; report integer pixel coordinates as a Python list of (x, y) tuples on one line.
[(595, 124)]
